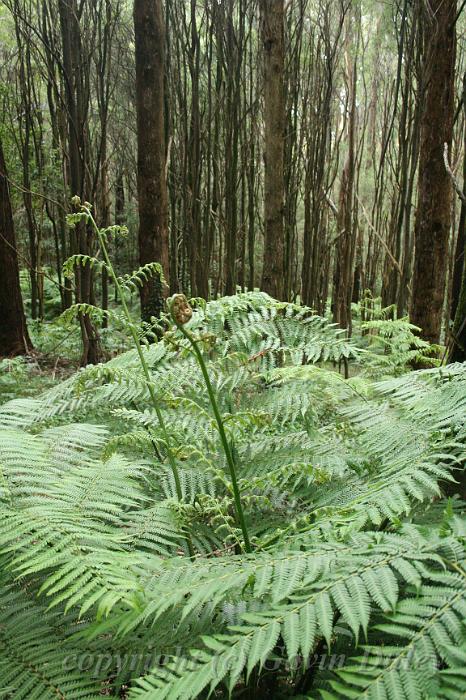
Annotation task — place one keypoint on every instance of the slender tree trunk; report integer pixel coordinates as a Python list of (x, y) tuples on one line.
[(14, 338), (232, 55), (251, 171), (149, 33), (119, 220), (458, 306), (272, 31), (461, 237), (458, 343), (344, 273), (77, 103), (104, 216), (194, 172), (433, 218)]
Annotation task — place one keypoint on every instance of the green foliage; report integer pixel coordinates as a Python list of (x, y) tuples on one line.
[(13, 372), (392, 345), (355, 586), (396, 346), (24, 376), (51, 293)]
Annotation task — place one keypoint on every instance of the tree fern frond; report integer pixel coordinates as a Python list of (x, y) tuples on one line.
[(423, 628), (354, 548), (134, 282), (81, 260), (20, 413), (37, 652)]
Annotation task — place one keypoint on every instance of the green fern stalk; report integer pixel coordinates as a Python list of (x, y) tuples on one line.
[(179, 319), (171, 457)]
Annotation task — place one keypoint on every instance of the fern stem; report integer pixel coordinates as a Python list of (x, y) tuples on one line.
[(145, 368), (221, 430)]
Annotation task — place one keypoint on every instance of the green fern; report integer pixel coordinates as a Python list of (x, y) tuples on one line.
[(354, 549), (418, 639), (35, 649)]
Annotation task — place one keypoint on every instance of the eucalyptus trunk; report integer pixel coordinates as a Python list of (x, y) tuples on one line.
[(433, 220), (272, 33), (14, 338), (149, 31)]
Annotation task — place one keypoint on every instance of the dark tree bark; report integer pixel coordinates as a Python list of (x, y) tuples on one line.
[(14, 338), (54, 72), (198, 281), (26, 108), (105, 16), (119, 220), (433, 218), (318, 122), (232, 57), (344, 257), (77, 99), (272, 32), (149, 33)]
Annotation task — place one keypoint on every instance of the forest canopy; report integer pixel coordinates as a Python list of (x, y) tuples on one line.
[(232, 349)]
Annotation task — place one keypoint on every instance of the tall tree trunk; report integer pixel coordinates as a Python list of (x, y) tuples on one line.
[(232, 54), (104, 216), (149, 34), (433, 218), (14, 338), (194, 174), (344, 273), (272, 32), (458, 343), (105, 21), (119, 221), (461, 237), (77, 104), (457, 351)]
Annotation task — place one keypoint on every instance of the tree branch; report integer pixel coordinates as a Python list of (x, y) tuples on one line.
[(450, 172)]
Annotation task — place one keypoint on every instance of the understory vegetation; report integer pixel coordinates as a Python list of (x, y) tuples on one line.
[(123, 577)]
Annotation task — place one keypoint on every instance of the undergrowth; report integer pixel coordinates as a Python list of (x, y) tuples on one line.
[(115, 582)]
